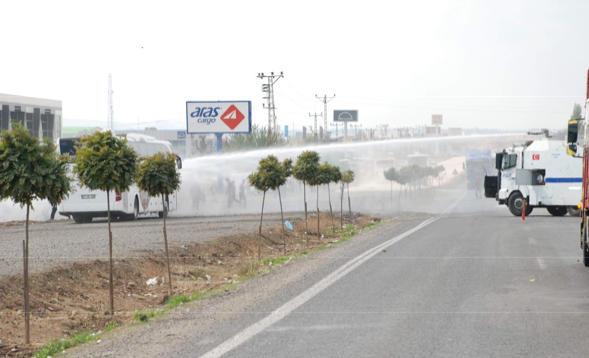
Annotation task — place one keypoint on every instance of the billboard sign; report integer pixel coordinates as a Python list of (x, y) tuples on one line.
[(436, 119), (218, 117), (345, 115)]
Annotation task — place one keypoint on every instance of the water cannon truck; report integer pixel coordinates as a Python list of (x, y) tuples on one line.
[(539, 172)]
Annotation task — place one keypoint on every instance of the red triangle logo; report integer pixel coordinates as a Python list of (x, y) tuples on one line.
[(232, 117)]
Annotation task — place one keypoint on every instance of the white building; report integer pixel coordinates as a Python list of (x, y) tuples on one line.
[(42, 117)]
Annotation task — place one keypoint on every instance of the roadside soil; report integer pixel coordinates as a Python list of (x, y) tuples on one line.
[(72, 298)]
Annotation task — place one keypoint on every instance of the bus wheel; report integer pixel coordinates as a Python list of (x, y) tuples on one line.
[(557, 210), (78, 219), (574, 211), (135, 214)]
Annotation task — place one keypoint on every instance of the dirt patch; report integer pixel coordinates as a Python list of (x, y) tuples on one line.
[(18, 223), (75, 298)]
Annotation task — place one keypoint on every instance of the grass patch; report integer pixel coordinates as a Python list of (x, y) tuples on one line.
[(58, 346), (111, 326), (145, 315)]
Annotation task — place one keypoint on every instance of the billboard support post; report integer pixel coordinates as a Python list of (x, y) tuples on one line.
[(220, 173)]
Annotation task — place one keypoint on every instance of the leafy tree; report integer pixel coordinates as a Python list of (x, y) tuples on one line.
[(323, 177), (305, 170), (335, 177), (348, 177), (30, 170), (105, 162), (271, 175), (158, 175), (391, 175), (577, 112)]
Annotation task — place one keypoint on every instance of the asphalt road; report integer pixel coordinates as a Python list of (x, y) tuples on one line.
[(473, 282)]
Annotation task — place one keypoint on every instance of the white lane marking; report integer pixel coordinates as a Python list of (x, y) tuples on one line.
[(453, 205), (541, 263), (296, 302)]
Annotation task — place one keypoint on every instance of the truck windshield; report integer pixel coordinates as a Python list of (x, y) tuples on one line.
[(509, 161)]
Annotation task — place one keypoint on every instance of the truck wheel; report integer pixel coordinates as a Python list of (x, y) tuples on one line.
[(557, 210), (574, 211), (585, 249), (516, 204), (78, 219)]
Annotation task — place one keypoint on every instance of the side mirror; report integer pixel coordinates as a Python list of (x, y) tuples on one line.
[(498, 160), (572, 149), (573, 131), (179, 162)]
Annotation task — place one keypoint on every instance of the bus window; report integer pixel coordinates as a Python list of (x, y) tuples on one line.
[(67, 146)]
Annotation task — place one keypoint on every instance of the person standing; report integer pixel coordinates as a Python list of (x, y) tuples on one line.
[(478, 186), (53, 209), (242, 199), (230, 192)]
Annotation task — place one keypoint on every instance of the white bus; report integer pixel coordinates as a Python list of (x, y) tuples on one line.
[(83, 204)]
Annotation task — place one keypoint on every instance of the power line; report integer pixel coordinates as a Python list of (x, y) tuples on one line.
[(269, 89), (325, 100), (315, 116)]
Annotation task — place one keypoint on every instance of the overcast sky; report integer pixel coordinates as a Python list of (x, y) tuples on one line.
[(488, 64)]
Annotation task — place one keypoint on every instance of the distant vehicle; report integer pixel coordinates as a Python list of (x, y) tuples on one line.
[(578, 148), (417, 159), (540, 173), (478, 164), (83, 204)]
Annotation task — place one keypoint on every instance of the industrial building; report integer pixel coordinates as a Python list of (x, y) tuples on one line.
[(42, 117)]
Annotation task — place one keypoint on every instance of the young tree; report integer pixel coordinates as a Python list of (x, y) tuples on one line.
[(306, 169), (158, 175), (271, 175), (30, 171), (391, 175), (105, 162), (348, 177), (335, 177), (323, 177)]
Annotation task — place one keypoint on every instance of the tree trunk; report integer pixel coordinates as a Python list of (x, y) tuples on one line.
[(391, 191), (26, 279), (306, 221), (282, 216), (166, 243), (261, 218), (318, 227), (110, 277), (350, 205), (341, 208), (330, 208)]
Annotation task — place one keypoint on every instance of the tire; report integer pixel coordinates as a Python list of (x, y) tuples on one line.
[(81, 219), (585, 249), (557, 210), (574, 211), (515, 204), (135, 214)]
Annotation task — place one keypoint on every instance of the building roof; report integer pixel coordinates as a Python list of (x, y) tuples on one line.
[(31, 101)]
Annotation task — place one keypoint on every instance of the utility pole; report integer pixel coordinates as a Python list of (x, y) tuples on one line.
[(325, 100), (111, 119), (336, 125), (269, 89), (316, 131), (356, 129)]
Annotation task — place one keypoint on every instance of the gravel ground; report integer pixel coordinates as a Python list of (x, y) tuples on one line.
[(62, 242)]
